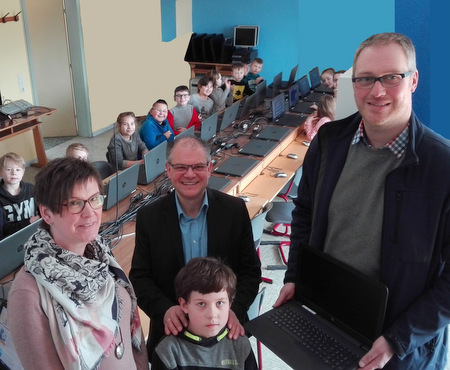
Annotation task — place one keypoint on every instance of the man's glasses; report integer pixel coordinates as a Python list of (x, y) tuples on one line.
[(77, 205), (182, 168), (387, 81), (182, 96)]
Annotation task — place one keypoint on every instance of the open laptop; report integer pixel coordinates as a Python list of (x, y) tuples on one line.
[(12, 248), (294, 104), (154, 164), (342, 302), (279, 115), (305, 91), (208, 128), (286, 84), (189, 132), (249, 103), (120, 186), (236, 166), (274, 88), (316, 82), (258, 148), (229, 116), (218, 182)]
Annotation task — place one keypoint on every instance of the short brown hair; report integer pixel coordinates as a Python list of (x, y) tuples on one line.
[(122, 115), (205, 275), (77, 146)]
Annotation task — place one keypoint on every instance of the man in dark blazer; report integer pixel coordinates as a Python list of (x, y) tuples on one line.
[(192, 221)]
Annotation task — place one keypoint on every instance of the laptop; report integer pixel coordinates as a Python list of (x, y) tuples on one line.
[(275, 87), (258, 148), (305, 91), (218, 183), (154, 164), (316, 82), (12, 248), (294, 103), (274, 133), (236, 166), (208, 128), (344, 303), (229, 116), (120, 186), (249, 103), (286, 84), (189, 132), (260, 92), (279, 115)]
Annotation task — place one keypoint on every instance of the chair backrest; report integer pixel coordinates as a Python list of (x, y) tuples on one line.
[(104, 168), (255, 307), (258, 224), (290, 189)]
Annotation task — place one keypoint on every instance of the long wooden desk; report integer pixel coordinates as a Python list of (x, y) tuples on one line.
[(31, 122)]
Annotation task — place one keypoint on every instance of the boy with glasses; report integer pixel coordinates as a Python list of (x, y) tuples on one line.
[(183, 115), (192, 221), (156, 128)]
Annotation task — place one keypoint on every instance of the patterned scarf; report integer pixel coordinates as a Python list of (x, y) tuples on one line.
[(80, 298)]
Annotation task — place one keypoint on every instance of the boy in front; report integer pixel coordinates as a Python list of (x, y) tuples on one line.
[(205, 288)]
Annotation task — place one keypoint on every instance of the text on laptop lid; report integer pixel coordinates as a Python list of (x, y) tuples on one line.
[(154, 164), (12, 248), (209, 127), (120, 186)]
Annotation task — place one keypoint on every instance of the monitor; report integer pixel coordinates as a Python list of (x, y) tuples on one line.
[(246, 36)]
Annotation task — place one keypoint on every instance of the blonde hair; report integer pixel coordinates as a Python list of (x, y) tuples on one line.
[(14, 157), (326, 106)]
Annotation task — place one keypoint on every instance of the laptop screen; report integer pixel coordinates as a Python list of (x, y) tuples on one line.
[(276, 85), (303, 86), (293, 95), (314, 77), (277, 106), (340, 293)]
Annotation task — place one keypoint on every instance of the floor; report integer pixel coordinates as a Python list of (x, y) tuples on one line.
[(269, 253)]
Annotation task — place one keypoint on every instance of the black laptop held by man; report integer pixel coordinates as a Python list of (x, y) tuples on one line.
[(336, 309)]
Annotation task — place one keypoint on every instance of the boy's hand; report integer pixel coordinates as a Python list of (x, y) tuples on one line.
[(234, 326), (174, 320), (167, 134)]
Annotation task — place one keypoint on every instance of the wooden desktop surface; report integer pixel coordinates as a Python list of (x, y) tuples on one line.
[(31, 122)]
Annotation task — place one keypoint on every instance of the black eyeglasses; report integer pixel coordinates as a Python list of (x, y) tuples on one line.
[(75, 206), (387, 81), (198, 167)]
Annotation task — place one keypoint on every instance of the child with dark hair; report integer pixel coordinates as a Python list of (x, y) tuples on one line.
[(183, 115), (156, 128), (205, 288), (201, 101), (221, 91)]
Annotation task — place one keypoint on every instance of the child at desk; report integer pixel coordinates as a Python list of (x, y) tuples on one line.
[(205, 288), (201, 101), (238, 87), (253, 78), (156, 128), (324, 113), (16, 197), (77, 150), (183, 115), (126, 147), (221, 90)]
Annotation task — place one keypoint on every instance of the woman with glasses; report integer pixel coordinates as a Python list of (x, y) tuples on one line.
[(156, 127), (71, 306)]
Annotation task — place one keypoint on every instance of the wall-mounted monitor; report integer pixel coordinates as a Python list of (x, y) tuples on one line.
[(246, 36)]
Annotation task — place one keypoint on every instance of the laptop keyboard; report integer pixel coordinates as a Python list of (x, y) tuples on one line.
[(313, 339)]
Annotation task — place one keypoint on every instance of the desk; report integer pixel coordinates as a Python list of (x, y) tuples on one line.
[(18, 126)]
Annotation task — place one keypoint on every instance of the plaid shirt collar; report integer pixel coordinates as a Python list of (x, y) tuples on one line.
[(396, 145)]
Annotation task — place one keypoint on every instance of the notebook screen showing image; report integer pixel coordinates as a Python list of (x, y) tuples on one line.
[(314, 78), (236, 166), (209, 127), (120, 186), (258, 148), (154, 164), (278, 108), (293, 96), (12, 248), (340, 301), (229, 116)]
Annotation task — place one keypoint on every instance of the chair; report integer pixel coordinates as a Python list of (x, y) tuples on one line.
[(104, 168), (253, 312), (281, 212), (258, 229)]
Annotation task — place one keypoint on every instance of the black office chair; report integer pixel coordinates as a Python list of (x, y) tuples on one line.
[(104, 168)]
